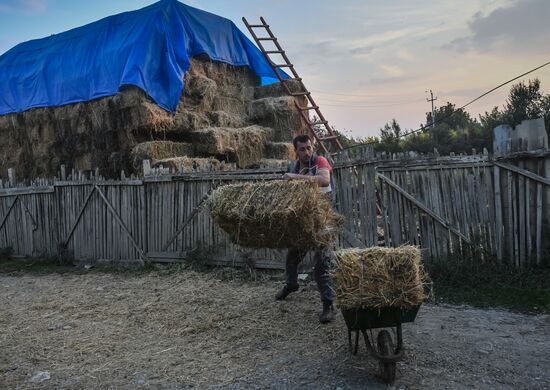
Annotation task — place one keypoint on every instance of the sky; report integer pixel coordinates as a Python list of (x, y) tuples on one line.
[(365, 61)]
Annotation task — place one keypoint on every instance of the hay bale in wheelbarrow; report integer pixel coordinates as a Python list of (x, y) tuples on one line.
[(379, 277), (275, 214)]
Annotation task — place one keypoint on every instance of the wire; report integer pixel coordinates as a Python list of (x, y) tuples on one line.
[(343, 94), (460, 108)]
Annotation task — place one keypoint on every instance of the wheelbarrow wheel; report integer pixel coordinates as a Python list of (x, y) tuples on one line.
[(386, 349)]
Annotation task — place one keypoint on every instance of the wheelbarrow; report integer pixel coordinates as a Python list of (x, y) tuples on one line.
[(385, 351)]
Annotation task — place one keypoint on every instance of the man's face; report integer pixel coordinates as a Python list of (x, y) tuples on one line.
[(304, 151)]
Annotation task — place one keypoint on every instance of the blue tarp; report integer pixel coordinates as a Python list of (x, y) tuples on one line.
[(149, 48)]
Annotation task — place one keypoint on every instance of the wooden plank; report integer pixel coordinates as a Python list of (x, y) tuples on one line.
[(528, 241), (524, 172), (424, 208), (121, 223), (510, 218), (521, 216), (499, 225), (515, 230)]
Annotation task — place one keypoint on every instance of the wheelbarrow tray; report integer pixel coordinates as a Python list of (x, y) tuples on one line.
[(384, 317)]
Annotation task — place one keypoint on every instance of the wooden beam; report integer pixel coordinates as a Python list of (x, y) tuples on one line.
[(421, 206), (8, 213), (75, 223), (121, 222), (524, 172)]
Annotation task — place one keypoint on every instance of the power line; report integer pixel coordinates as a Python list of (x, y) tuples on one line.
[(368, 106), (464, 106), (342, 94)]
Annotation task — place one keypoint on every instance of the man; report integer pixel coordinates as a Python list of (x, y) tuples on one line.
[(317, 169)]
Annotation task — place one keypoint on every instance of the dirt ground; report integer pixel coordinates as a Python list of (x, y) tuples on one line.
[(195, 330)]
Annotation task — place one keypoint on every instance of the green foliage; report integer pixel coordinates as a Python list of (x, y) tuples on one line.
[(523, 102), (456, 131), (390, 136)]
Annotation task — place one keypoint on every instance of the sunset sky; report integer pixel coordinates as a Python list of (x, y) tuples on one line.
[(366, 62)]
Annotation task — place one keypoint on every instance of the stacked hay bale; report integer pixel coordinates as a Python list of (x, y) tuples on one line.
[(245, 145), (193, 164), (379, 277), (276, 214), (159, 150), (117, 132)]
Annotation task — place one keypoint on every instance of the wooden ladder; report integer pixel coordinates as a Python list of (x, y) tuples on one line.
[(319, 128)]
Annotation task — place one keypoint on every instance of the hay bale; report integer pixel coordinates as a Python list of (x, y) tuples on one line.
[(280, 151), (277, 89), (184, 164), (276, 214), (379, 277), (280, 114), (225, 119), (271, 163), (159, 150), (243, 146)]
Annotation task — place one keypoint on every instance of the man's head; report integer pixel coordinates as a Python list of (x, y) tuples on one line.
[(303, 147)]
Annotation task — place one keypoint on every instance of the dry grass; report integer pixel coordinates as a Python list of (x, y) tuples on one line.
[(158, 150), (245, 146), (182, 330), (379, 277), (277, 214), (280, 151), (187, 164)]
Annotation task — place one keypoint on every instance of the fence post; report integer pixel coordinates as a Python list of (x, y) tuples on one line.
[(146, 167), (12, 177)]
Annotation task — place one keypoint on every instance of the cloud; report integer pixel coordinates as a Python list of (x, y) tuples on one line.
[(25, 6), (392, 70), (522, 27), (396, 37)]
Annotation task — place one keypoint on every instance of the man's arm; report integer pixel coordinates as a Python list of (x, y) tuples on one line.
[(322, 177)]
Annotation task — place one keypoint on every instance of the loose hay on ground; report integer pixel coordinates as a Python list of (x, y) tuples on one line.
[(379, 277), (277, 214)]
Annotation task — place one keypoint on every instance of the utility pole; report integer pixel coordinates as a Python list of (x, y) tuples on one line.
[(432, 100)]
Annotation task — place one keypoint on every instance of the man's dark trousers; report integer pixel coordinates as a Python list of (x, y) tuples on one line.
[(320, 272)]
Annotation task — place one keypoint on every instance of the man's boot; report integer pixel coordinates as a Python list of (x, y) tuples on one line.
[(327, 315), (283, 292)]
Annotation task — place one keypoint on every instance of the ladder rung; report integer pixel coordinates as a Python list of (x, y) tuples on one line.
[(300, 93), (308, 108), (318, 123), (283, 65), (258, 25), (266, 39), (274, 51), (329, 137)]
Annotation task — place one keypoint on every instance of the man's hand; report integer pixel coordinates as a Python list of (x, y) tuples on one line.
[(322, 178), (289, 176)]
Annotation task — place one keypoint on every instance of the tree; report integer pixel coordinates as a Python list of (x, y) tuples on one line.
[(390, 135), (524, 102)]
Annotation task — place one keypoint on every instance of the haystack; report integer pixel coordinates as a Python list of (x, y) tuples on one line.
[(379, 277), (280, 151), (185, 164), (276, 214), (242, 145), (158, 150), (271, 163), (280, 114)]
